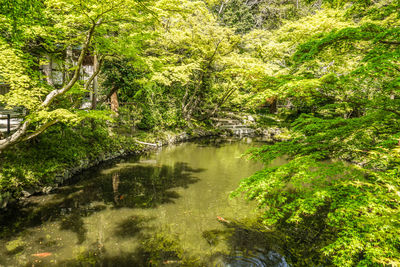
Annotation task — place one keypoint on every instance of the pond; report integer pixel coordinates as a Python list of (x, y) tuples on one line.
[(170, 207)]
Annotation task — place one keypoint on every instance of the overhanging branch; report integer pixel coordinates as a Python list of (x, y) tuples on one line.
[(41, 129)]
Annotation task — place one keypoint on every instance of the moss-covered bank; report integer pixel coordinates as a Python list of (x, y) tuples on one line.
[(55, 156)]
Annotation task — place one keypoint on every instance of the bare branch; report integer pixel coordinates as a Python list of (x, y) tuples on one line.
[(144, 143), (95, 73)]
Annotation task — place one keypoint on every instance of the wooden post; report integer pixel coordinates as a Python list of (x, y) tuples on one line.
[(8, 123)]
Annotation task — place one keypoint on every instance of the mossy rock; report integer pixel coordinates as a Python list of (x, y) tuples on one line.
[(15, 246)]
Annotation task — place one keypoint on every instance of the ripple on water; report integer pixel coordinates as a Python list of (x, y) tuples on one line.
[(258, 258)]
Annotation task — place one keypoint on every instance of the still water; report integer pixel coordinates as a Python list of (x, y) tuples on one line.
[(168, 208)]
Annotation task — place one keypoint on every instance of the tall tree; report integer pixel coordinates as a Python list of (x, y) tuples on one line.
[(69, 23)]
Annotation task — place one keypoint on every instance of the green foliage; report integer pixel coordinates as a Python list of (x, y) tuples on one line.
[(58, 28), (244, 16), (358, 209), (238, 15), (14, 73), (15, 13), (338, 197), (308, 50), (147, 122), (127, 75), (15, 246)]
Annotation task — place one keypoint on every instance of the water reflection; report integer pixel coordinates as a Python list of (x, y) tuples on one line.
[(133, 186), (157, 210), (141, 185), (115, 184)]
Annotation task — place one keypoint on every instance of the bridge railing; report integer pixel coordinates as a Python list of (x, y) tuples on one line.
[(12, 119)]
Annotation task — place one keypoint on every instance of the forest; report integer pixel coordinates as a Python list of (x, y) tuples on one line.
[(88, 78)]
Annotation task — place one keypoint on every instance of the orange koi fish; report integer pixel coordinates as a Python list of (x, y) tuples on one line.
[(220, 219), (42, 255)]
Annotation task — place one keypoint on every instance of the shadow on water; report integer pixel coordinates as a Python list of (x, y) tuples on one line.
[(133, 226), (252, 244), (121, 185), (121, 189), (135, 185), (248, 245), (156, 249)]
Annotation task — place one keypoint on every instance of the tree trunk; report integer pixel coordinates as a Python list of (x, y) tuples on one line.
[(96, 66), (272, 103), (189, 107), (15, 137), (114, 103), (48, 70), (222, 101), (69, 63)]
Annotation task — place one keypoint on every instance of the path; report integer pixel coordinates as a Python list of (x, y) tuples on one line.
[(237, 125)]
